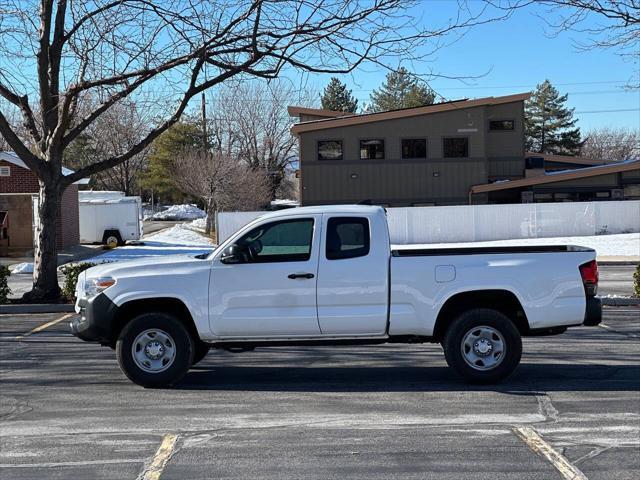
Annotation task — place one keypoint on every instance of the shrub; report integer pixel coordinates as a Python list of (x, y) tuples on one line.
[(5, 291), (636, 281), (71, 273)]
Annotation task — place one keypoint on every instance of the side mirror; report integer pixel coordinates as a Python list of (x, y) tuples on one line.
[(231, 254)]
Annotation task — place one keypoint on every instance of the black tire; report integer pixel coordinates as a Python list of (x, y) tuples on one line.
[(481, 373), (181, 342), (200, 351)]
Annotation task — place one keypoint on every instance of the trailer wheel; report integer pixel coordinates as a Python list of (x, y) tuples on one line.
[(483, 346), (112, 238)]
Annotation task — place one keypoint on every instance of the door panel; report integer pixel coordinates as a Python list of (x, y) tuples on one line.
[(258, 298), (353, 277)]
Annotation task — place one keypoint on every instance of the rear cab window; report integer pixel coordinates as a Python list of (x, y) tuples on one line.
[(347, 237)]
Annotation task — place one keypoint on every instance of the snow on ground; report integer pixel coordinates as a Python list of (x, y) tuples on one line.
[(179, 212), (178, 239), (623, 244), (22, 268), (198, 224)]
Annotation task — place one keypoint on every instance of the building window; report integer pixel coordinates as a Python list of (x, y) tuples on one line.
[(455, 147), (371, 149), (347, 237), (5, 172), (414, 148), (501, 125), (330, 150)]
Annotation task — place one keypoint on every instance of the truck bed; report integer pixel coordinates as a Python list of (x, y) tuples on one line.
[(424, 252)]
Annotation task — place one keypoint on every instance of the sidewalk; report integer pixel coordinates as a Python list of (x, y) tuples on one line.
[(21, 283)]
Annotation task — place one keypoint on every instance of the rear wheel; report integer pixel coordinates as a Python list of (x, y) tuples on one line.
[(483, 346), (155, 350)]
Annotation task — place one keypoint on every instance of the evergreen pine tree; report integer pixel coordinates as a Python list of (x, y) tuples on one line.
[(401, 90), (336, 97), (549, 124), (164, 150)]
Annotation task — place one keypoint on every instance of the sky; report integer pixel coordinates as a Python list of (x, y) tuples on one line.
[(513, 56)]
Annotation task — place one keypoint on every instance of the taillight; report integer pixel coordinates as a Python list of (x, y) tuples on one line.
[(589, 274)]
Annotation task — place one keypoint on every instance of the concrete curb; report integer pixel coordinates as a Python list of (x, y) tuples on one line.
[(36, 308), (621, 302)]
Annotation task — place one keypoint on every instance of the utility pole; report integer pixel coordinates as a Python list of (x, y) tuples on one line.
[(204, 122)]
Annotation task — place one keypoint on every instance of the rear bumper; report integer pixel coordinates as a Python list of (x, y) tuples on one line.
[(95, 323), (593, 312)]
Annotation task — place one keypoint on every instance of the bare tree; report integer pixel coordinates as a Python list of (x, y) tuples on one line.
[(223, 183), (612, 145), (115, 132), (263, 123), (161, 54)]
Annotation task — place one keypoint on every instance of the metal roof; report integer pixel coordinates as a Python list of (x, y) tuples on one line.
[(345, 121)]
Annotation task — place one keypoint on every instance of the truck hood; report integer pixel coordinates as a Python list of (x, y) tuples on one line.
[(145, 266)]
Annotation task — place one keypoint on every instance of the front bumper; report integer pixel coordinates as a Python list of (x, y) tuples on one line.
[(96, 320), (593, 312)]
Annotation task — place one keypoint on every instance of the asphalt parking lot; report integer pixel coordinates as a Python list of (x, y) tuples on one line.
[(390, 411)]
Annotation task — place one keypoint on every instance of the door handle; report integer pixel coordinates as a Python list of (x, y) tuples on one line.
[(293, 276)]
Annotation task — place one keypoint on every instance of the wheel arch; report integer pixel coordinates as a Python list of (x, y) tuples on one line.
[(170, 305), (501, 300)]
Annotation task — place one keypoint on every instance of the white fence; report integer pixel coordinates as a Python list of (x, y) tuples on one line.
[(489, 222)]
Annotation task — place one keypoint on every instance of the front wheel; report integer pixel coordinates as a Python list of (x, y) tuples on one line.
[(483, 346), (155, 350)]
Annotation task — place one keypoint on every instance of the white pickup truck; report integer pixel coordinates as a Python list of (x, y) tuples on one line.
[(327, 276)]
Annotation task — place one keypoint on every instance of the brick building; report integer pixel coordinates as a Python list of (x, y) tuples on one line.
[(19, 204)]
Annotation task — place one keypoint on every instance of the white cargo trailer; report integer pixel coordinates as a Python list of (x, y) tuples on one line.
[(109, 218)]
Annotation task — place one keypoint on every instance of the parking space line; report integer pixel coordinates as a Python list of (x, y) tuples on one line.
[(160, 459), (537, 445), (607, 327), (39, 328)]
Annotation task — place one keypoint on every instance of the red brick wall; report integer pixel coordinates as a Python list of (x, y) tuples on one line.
[(21, 180)]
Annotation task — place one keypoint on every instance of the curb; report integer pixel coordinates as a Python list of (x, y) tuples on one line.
[(621, 302), (37, 308), (613, 262)]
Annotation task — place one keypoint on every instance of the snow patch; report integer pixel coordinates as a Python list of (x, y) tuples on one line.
[(180, 235), (22, 268), (179, 212)]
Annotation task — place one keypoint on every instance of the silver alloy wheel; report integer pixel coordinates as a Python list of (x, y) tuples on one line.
[(483, 348), (153, 350)]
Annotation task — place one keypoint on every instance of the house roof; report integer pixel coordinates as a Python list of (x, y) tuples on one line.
[(13, 158), (350, 119), (559, 176), (570, 159), (318, 112)]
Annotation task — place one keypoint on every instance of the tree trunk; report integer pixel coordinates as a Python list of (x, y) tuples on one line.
[(211, 212), (45, 274)]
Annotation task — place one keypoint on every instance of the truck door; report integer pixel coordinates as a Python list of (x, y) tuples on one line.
[(271, 292), (353, 278)]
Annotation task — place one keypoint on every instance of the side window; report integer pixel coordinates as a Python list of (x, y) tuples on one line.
[(347, 237), (283, 241)]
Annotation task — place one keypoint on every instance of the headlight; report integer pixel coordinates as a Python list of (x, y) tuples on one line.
[(94, 286)]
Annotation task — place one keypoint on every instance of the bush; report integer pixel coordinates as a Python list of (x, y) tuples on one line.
[(5, 291), (71, 273), (636, 282)]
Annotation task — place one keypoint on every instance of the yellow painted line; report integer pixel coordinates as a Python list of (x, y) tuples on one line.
[(39, 328), (160, 459), (537, 445)]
